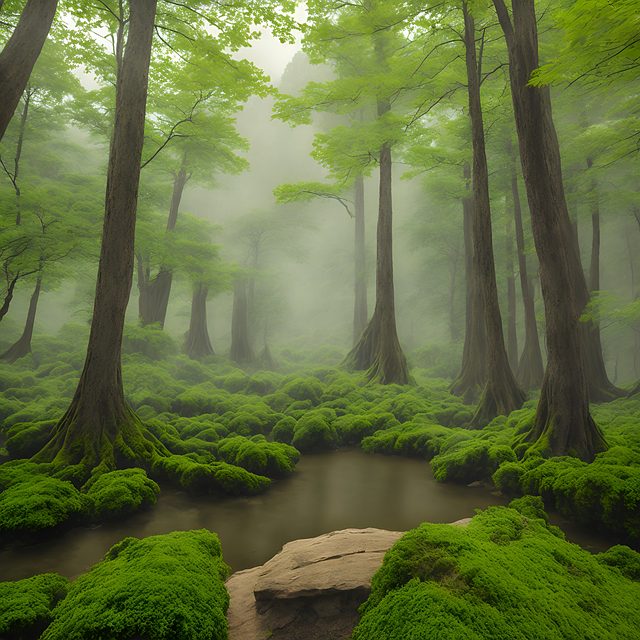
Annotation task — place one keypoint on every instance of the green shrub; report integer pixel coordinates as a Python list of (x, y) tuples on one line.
[(283, 431), (26, 605), (302, 389), (167, 587), (314, 432), (40, 502), (271, 459), (216, 477), (151, 341), (26, 439), (502, 576), (470, 461), (121, 492)]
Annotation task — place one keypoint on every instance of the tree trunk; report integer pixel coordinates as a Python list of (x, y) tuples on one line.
[(563, 424), (378, 351), (8, 297), (196, 343), (501, 394), (454, 329), (241, 350), (155, 292), (19, 55), (266, 359), (530, 371), (473, 373), (22, 346), (360, 305), (100, 429), (512, 335)]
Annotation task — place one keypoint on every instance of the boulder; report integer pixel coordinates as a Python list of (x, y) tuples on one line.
[(312, 589)]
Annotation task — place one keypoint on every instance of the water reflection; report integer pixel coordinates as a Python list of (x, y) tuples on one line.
[(329, 491)]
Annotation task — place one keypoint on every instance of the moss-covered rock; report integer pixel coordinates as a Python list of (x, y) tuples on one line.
[(503, 576), (26, 605), (210, 477), (166, 587), (256, 455), (119, 493)]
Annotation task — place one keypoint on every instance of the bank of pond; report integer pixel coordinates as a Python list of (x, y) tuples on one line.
[(232, 432)]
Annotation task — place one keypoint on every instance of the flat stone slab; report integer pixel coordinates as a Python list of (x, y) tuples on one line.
[(312, 589), (334, 563)]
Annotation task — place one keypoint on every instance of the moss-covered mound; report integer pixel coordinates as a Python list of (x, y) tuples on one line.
[(26, 605), (169, 587), (506, 575)]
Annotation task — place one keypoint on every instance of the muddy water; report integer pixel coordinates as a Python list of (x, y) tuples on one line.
[(329, 491)]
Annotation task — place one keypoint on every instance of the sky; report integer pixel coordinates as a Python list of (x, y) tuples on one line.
[(269, 54)]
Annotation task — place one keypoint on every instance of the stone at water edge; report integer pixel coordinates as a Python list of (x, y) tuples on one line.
[(333, 563), (310, 590)]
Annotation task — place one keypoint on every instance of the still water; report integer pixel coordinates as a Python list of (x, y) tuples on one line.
[(330, 491)]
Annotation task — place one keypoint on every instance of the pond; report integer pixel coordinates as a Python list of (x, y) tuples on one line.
[(329, 491)]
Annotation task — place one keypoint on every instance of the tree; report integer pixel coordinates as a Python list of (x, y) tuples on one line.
[(386, 72), (20, 53), (99, 428), (563, 423), (255, 236), (501, 394), (530, 371)]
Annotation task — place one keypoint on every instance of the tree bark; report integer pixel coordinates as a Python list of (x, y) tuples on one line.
[(378, 351), (563, 424), (473, 373), (19, 55), (501, 394), (100, 429), (8, 297), (241, 350), (360, 305), (512, 335), (530, 371), (197, 344), (22, 346), (155, 292)]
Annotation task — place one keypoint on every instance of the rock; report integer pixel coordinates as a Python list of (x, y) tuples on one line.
[(312, 589), (334, 563), (461, 523)]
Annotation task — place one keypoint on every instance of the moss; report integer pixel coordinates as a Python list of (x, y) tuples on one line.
[(26, 439), (315, 432), (41, 502), (26, 605), (167, 587), (283, 431), (502, 576), (216, 477), (271, 459), (121, 492), (470, 460)]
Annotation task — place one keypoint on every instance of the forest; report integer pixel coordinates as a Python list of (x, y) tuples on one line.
[(274, 269)]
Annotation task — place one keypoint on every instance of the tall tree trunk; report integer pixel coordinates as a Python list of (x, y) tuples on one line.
[(241, 349), (454, 329), (378, 351), (360, 305), (501, 394), (563, 424), (99, 429), (530, 371), (155, 292), (197, 344), (8, 297), (19, 55), (473, 373), (512, 335), (22, 346)]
